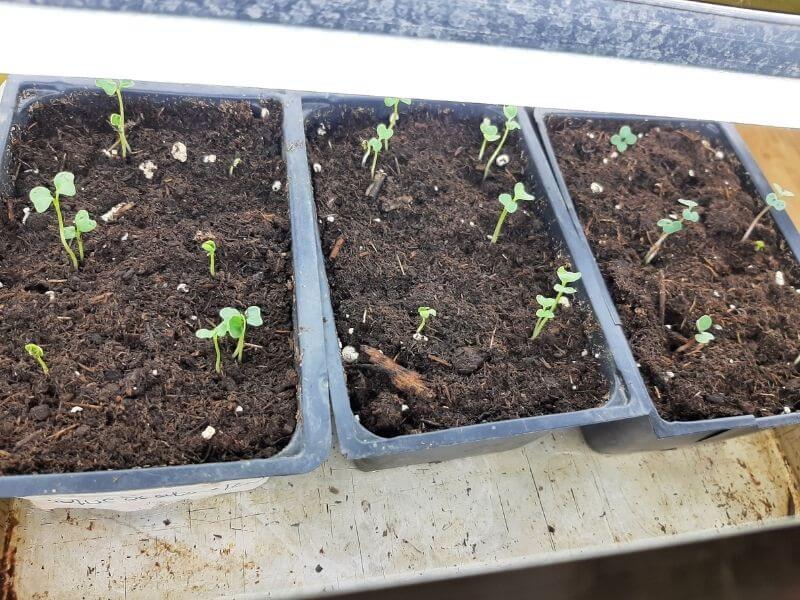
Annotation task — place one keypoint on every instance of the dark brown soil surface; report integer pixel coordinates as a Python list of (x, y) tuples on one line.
[(705, 268), (423, 242), (118, 335)]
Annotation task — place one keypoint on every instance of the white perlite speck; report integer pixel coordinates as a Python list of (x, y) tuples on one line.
[(349, 354), (330, 218), (502, 160), (350, 331), (591, 135), (317, 168), (779, 278), (179, 151), (210, 158), (564, 301), (76, 409), (26, 212), (51, 295), (786, 410), (208, 433), (691, 172), (276, 186), (719, 154), (596, 187), (182, 287), (148, 168), (403, 407), (238, 410), (419, 337)]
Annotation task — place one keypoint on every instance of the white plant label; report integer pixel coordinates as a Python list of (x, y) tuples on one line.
[(135, 500)]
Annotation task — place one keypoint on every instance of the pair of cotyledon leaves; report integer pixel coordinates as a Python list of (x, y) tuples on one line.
[(64, 183), (511, 203), (775, 199), (669, 226), (110, 87), (384, 133), (390, 102), (548, 304), (703, 336), (233, 323), (491, 133), (624, 138)]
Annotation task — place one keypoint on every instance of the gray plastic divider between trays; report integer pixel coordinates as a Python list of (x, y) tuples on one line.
[(653, 432), (311, 441), (370, 451)]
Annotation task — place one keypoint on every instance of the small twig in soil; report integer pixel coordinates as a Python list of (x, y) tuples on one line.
[(61, 432), (10, 210), (375, 185), (441, 361), (337, 247), (405, 380), (662, 298), (431, 423), (491, 340), (402, 270)]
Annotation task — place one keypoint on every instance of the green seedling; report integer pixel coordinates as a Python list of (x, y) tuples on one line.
[(236, 162), (236, 325), (703, 335), (670, 226), (38, 355), (82, 224), (547, 312), (211, 248), (776, 200), (425, 313), (374, 145), (64, 185), (489, 133), (510, 205), (759, 246), (624, 138), (510, 113), (214, 334), (394, 104), (114, 87)]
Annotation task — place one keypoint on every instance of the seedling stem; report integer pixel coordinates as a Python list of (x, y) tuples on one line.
[(38, 355)]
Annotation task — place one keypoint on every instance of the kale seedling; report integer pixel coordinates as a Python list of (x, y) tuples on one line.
[(759, 245), (774, 200), (64, 184), (220, 331), (374, 145), (624, 138), (489, 133), (510, 205), (703, 336), (211, 248), (38, 355), (670, 226), (113, 87), (236, 162), (236, 325), (83, 223), (510, 113), (394, 104), (547, 312), (425, 313)]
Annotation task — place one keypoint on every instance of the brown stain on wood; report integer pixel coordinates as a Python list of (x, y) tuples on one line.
[(8, 564)]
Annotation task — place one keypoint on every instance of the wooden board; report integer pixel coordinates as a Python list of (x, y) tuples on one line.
[(337, 525)]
